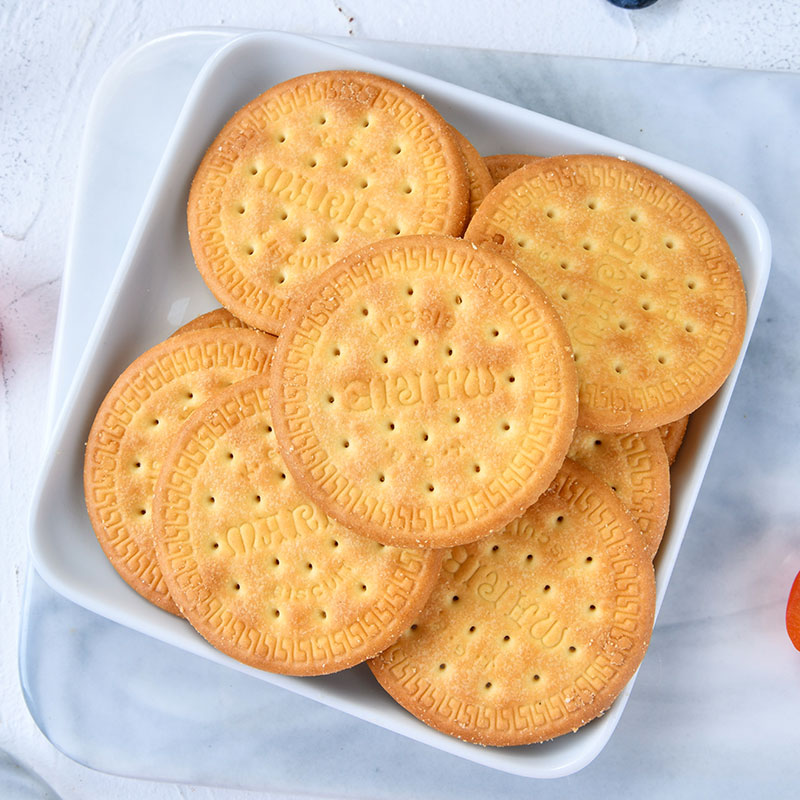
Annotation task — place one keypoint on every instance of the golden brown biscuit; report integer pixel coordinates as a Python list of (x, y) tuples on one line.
[(424, 392), (310, 171), (218, 318), (480, 181), (534, 631), (672, 435), (256, 568), (646, 284), (635, 466), (133, 430), (502, 165)]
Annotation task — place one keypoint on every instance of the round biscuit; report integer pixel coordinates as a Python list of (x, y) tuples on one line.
[(533, 632), (480, 181), (500, 166), (672, 435), (645, 282), (311, 170), (132, 432), (636, 468), (256, 567), (218, 318), (424, 392)]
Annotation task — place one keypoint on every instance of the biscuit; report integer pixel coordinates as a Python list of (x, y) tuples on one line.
[(480, 181), (645, 282), (636, 468), (672, 435), (218, 318), (256, 568), (502, 165), (534, 631), (132, 432), (424, 392), (310, 171)]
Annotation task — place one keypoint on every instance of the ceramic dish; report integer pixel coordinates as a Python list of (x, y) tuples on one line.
[(157, 288)]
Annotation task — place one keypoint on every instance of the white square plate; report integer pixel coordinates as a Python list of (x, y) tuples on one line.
[(157, 288)]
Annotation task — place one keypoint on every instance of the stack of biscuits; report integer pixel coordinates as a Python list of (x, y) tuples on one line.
[(431, 426)]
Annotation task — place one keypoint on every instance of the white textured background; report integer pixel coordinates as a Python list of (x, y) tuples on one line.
[(52, 55)]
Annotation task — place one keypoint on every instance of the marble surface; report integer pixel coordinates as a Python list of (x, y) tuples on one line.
[(18, 782), (721, 680), (120, 702)]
